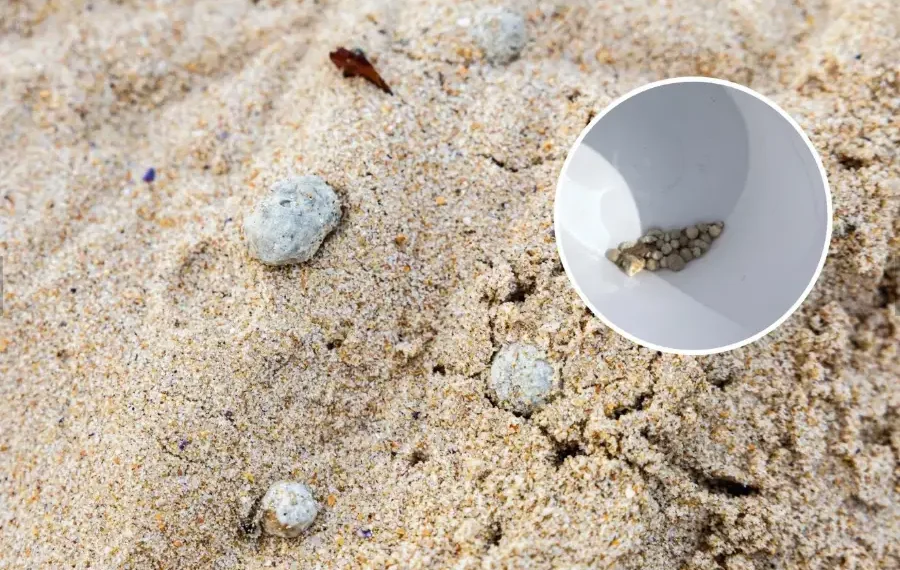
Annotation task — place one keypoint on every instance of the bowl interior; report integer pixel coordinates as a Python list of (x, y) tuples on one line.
[(681, 153)]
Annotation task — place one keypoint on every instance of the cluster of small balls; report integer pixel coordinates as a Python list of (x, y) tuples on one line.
[(659, 249)]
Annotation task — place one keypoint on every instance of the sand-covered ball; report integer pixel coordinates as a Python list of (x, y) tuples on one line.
[(287, 509), (500, 33), (290, 223), (521, 379)]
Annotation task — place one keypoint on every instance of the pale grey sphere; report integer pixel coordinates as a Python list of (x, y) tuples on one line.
[(521, 379), (500, 34), (287, 509), (290, 223)]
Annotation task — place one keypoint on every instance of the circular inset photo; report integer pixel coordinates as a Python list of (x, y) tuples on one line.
[(693, 215)]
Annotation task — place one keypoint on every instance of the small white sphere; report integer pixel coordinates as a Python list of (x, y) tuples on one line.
[(500, 34), (521, 380), (288, 509), (291, 222)]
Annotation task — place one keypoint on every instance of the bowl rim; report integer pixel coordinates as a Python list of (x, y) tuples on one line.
[(828, 204)]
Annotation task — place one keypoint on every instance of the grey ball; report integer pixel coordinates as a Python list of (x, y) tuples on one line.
[(290, 223), (675, 262), (521, 379), (500, 34)]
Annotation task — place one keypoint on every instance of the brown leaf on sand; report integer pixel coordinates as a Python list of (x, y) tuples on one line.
[(354, 64)]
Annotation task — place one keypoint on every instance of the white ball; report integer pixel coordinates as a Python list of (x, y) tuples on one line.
[(288, 509), (521, 380)]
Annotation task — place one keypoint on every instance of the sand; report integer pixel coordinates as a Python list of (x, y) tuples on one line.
[(156, 379)]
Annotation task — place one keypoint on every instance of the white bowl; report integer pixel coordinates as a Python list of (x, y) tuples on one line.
[(679, 152)]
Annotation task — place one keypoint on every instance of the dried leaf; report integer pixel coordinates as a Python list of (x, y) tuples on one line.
[(354, 64)]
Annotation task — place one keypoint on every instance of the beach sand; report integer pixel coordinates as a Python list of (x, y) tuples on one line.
[(155, 380)]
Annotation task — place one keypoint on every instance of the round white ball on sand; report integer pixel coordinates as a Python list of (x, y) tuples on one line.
[(500, 34), (288, 509), (521, 379), (290, 223)]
